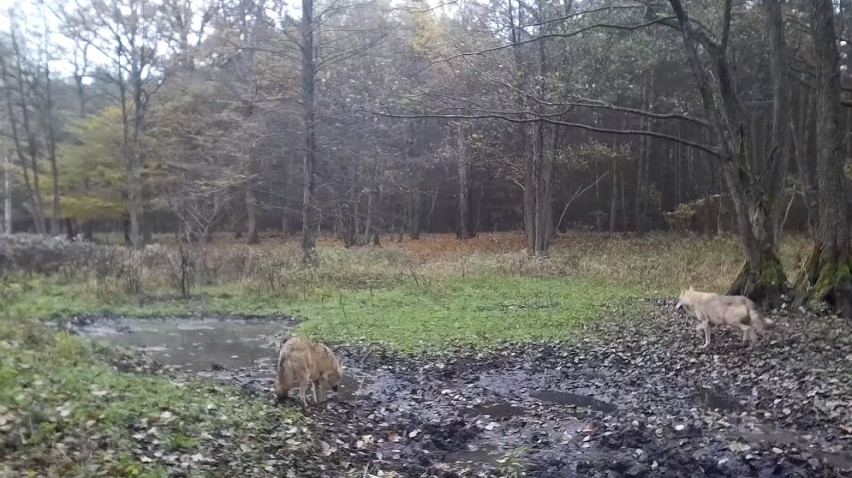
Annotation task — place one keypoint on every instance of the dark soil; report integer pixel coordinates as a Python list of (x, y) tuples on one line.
[(636, 398)]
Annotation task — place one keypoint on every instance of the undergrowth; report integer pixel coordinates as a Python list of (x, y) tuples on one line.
[(64, 411), (434, 291)]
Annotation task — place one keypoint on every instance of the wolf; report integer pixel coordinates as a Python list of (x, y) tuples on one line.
[(303, 361), (714, 309)]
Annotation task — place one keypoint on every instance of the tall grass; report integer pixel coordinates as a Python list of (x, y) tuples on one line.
[(658, 262)]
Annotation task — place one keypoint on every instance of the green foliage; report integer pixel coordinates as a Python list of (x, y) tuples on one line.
[(772, 272), (584, 156), (92, 176), (699, 212)]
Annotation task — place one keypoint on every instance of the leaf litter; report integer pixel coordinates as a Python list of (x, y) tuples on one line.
[(627, 398)]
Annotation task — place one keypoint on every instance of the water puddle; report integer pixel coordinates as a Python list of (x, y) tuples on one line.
[(576, 399), (195, 345), (498, 409), (474, 454), (715, 399), (842, 461)]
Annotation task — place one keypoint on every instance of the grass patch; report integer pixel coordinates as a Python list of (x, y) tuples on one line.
[(434, 292), (66, 412), (479, 311)]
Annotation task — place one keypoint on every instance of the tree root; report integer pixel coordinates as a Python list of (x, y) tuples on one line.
[(826, 276)]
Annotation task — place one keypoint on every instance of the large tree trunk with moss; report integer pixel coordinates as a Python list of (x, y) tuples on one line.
[(827, 274), (762, 276), (757, 197), (755, 183)]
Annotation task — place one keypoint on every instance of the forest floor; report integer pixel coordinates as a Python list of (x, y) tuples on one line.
[(448, 374)]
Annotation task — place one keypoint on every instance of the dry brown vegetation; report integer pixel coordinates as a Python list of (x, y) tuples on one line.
[(656, 262)]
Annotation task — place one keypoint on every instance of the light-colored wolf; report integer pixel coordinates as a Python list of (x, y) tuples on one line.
[(714, 309), (304, 361)]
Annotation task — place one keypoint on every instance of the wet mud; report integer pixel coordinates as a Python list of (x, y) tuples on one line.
[(638, 399)]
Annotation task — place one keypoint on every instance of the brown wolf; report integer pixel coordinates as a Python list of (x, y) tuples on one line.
[(714, 309), (303, 361)]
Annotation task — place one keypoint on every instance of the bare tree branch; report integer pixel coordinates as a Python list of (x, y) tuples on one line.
[(553, 35), (626, 132)]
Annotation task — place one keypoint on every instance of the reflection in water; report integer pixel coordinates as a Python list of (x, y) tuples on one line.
[(197, 345), (718, 400), (568, 398)]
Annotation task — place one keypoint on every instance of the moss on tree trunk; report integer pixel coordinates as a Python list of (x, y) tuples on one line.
[(764, 284), (826, 276)]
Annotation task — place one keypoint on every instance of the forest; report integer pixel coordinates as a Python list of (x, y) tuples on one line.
[(373, 118)]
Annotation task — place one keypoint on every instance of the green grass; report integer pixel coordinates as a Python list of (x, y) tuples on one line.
[(477, 311), (412, 316), (58, 389)]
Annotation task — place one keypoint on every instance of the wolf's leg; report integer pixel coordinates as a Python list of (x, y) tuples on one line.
[(745, 329), (706, 327), (752, 335), (323, 393), (314, 386), (303, 386)]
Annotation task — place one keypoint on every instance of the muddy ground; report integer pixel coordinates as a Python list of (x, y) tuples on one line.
[(638, 399)]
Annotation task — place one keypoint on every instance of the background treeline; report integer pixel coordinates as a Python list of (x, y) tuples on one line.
[(366, 118)]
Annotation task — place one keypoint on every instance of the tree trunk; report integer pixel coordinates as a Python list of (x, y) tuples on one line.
[(251, 217), (464, 187), (7, 195), (432, 202), (543, 195), (69, 229), (50, 138), (134, 198), (800, 150), (754, 194), (125, 229), (613, 199), (414, 223), (642, 165), (827, 275), (308, 180), (134, 159), (529, 202), (32, 146), (624, 224), (477, 213), (778, 157), (368, 225), (378, 220)]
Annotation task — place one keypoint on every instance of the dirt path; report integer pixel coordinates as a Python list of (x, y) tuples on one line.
[(639, 400)]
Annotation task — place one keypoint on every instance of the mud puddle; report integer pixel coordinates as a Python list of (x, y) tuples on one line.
[(550, 410), (195, 345)]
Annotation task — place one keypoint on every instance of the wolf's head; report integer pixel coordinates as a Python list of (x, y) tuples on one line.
[(684, 299), (335, 376)]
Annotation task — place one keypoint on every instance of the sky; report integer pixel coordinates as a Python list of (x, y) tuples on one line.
[(29, 16)]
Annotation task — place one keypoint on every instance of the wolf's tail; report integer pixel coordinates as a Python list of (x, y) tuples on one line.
[(281, 360), (760, 322)]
